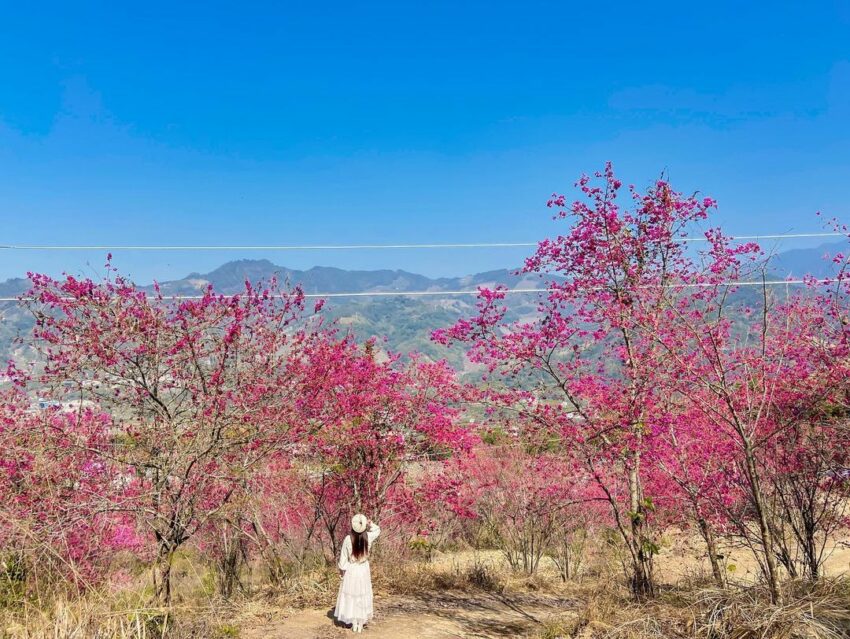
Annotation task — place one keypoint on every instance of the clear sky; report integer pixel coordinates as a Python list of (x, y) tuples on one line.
[(350, 122)]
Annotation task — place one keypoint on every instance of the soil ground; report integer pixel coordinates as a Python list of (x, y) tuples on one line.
[(445, 615)]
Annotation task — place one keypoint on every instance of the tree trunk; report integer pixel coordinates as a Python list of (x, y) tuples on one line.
[(642, 583), (810, 554), (772, 571), (229, 565), (711, 548), (162, 573)]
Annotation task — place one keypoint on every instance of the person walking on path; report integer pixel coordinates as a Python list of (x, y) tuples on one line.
[(354, 601)]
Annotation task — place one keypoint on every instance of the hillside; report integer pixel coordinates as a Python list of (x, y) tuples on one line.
[(406, 322)]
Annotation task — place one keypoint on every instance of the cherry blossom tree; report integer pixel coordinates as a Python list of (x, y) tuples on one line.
[(755, 375), (530, 503), (378, 417), (198, 390), (371, 422), (591, 352), (55, 478), (698, 477)]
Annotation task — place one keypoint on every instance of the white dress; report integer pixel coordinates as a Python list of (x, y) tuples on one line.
[(354, 601)]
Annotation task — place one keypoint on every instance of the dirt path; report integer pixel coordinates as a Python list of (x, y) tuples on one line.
[(446, 615)]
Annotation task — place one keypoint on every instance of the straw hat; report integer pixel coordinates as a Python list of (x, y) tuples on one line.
[(359, 523)]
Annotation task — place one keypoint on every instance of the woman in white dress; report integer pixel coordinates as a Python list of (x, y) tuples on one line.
[(354, 601)]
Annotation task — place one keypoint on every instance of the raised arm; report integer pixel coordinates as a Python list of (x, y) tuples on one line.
[(372, 531)]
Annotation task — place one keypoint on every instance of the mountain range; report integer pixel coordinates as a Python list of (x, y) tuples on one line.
[(405, 321)]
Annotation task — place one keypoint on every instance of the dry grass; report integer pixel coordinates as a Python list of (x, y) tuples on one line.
[(306, 589), (412, 579), (818, 612), (82, 619), (597, 608), (821, 612)]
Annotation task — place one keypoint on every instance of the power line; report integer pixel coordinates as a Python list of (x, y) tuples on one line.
[(305, 247), (514, 291), (354, 247), (779, 236)]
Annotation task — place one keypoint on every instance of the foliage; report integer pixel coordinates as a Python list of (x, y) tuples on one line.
[(634, 348), (655, 387)]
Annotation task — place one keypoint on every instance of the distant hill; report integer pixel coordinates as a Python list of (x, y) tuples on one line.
[(811, 261), (230, 278), (14, 287), (406, 322)]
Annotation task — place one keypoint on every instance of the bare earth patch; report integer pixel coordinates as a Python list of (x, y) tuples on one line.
[(444, 615)]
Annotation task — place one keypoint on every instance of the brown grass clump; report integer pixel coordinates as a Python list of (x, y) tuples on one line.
[(85, 619), (417, 578), (610, 612), (307, 589), (821, 611)]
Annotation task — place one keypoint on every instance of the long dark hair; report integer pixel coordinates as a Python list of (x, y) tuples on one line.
[(359, 544)]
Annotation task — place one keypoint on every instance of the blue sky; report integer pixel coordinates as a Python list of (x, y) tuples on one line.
[(291, 123)]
